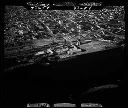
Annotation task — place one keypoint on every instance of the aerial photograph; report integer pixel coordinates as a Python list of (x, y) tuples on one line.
[(63, 54)]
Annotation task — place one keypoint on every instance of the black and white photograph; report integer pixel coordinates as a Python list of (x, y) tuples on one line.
[(63, 54)]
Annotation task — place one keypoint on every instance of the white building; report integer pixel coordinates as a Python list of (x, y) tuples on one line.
[(73, 50)]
